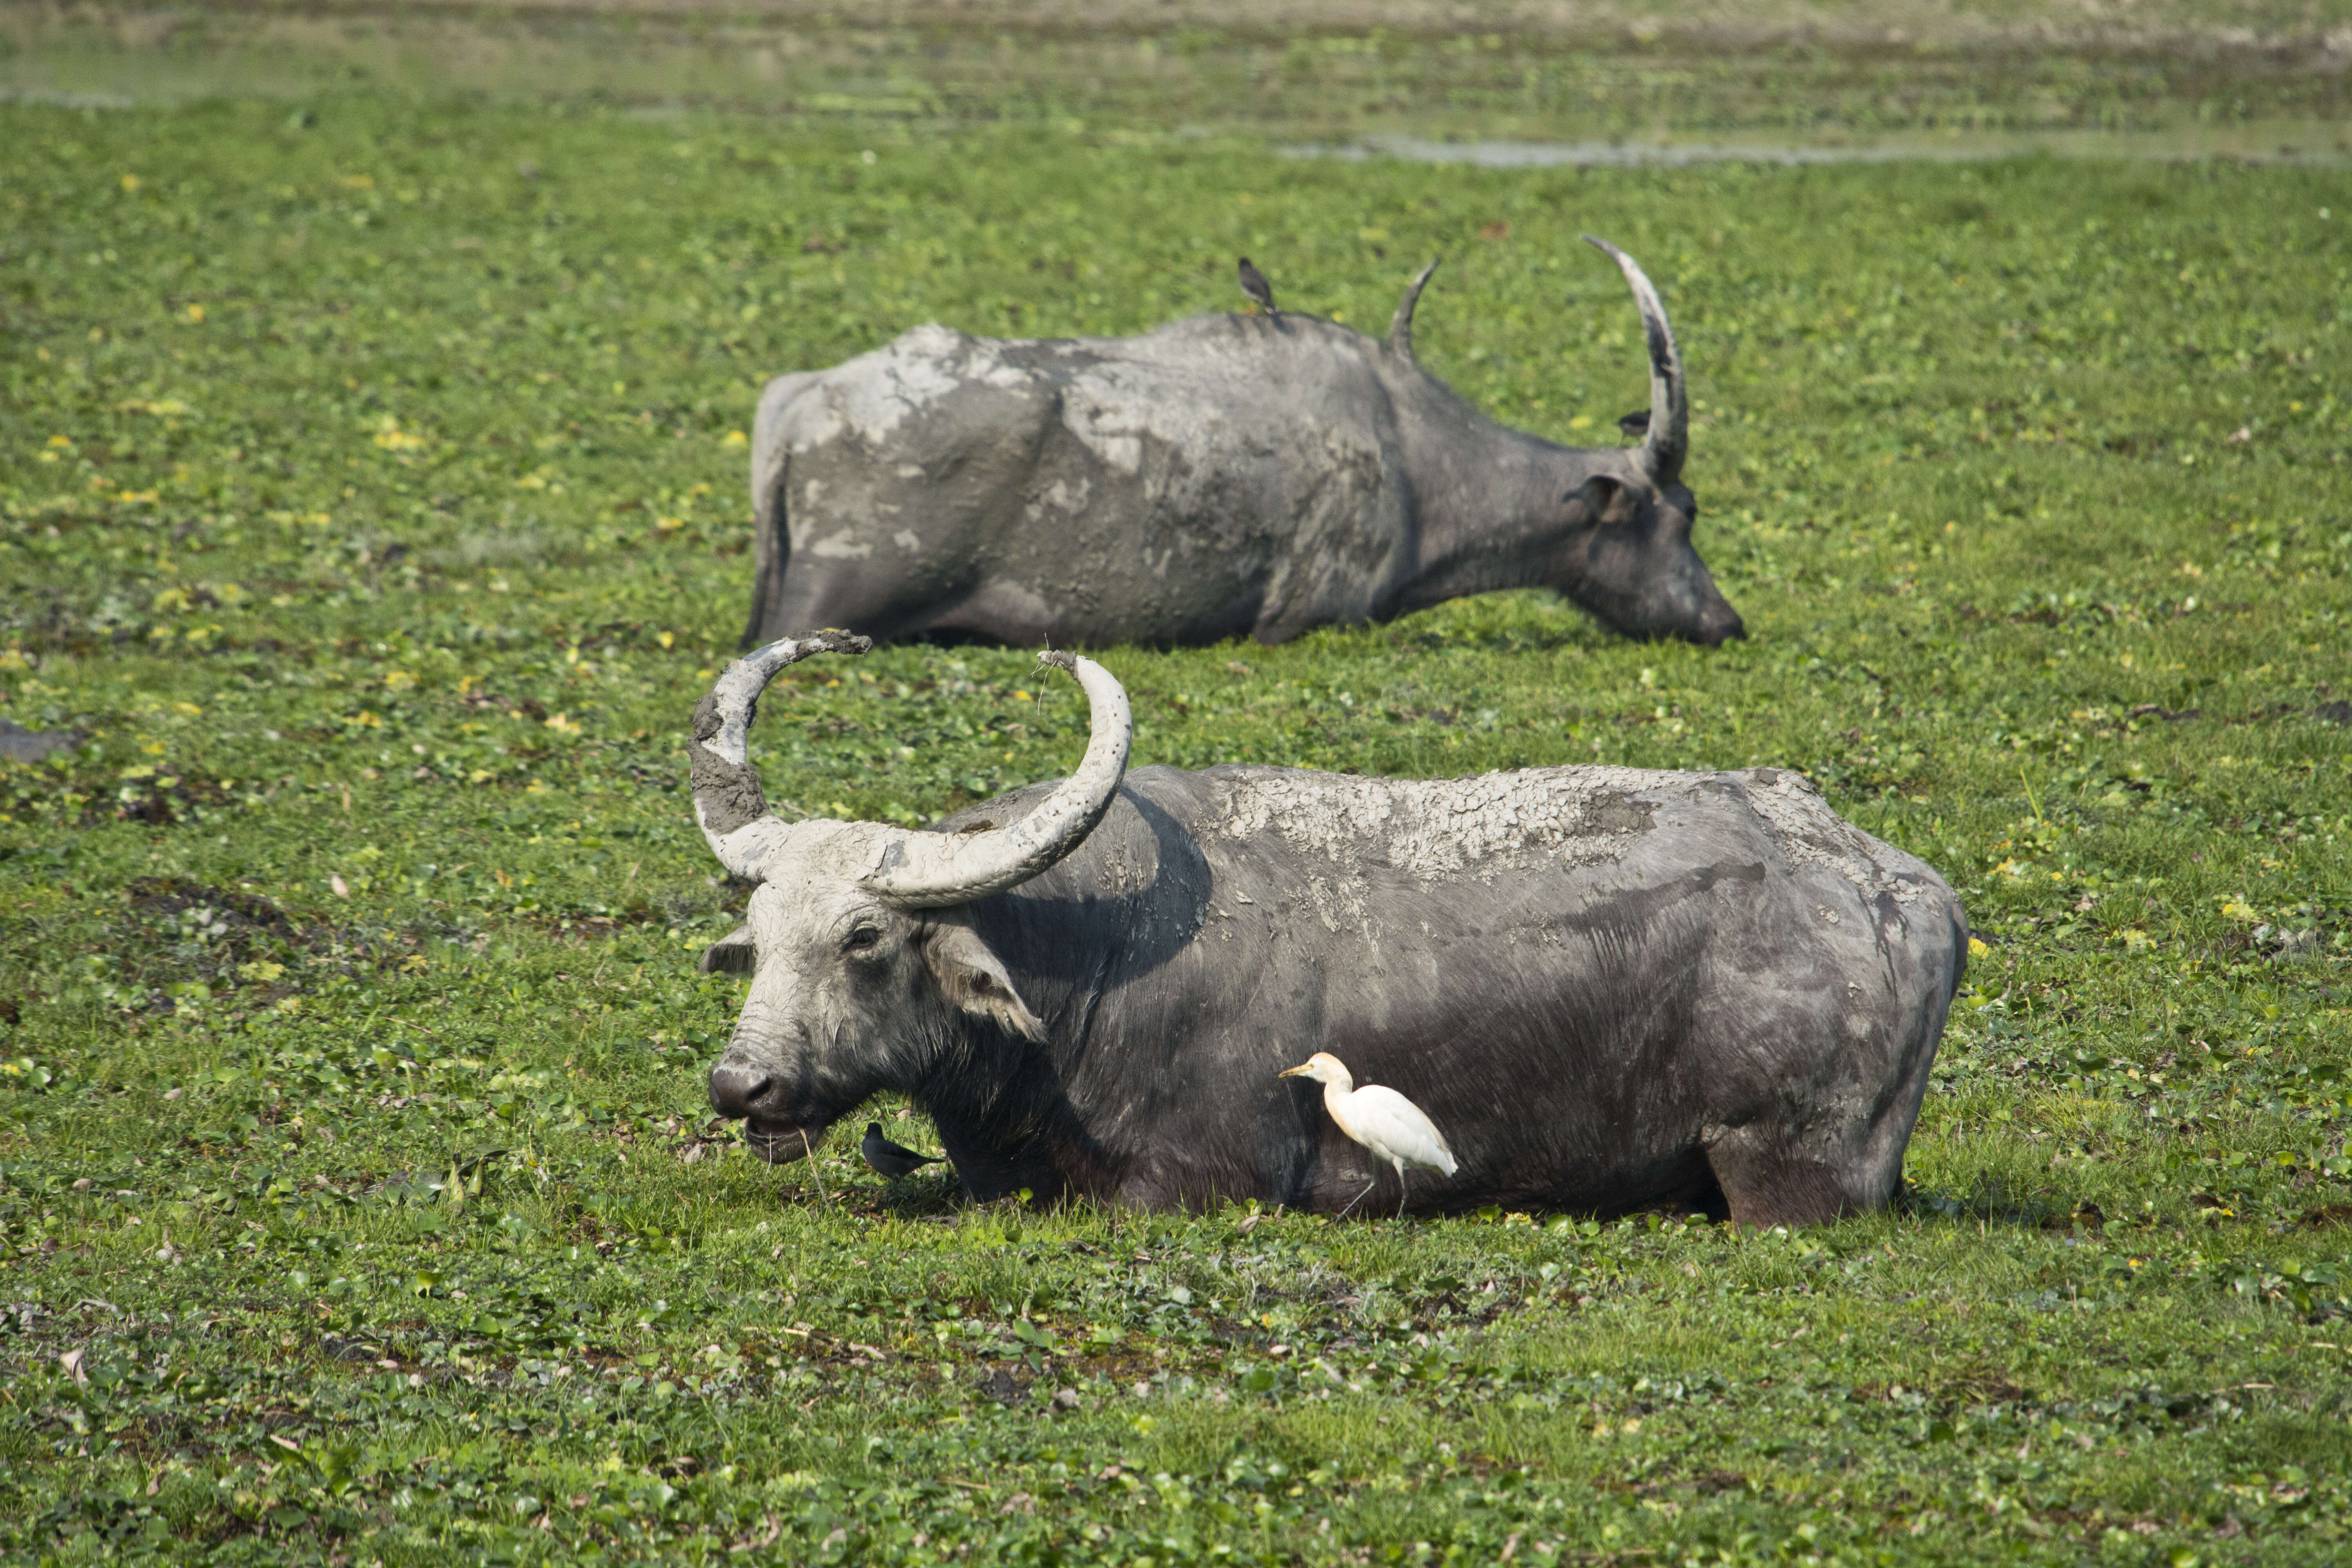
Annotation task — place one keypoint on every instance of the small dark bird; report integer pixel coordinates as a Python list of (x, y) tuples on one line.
[(1255, 285), (1636, 423), (892, 1159)]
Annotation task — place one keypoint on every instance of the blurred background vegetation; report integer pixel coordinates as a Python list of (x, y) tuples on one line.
[(2257, 77)]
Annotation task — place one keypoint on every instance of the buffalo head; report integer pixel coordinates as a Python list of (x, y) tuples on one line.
[(1610, 527), (862, 973), (1628, 559)]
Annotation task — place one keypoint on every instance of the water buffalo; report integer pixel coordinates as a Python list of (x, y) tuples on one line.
[(1607, 987), (1221, 474)]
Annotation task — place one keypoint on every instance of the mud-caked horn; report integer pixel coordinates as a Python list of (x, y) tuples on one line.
[(728, 800), (933, 871), (1668, 438)]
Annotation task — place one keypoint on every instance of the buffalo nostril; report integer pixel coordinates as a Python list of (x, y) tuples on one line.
[(1718, 627), (735, 1090)]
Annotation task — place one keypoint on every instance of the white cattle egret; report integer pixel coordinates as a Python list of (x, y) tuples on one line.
[(1381, 1120)]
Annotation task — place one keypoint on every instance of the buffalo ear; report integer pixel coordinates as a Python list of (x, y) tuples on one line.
[(1602, 499), (974, 979), (730, 954)]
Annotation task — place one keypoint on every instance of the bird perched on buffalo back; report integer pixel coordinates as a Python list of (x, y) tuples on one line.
[(892, 1159), (1255, 285)]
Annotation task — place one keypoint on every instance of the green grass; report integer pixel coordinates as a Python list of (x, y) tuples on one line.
[(369, 498), (2157, 77)]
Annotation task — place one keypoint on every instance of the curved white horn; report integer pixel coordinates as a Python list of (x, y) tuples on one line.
[(933, 871), (1668, 441), (728, 800)]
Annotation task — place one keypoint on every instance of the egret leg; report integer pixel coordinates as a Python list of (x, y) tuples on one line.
[(1360, 1197), (1400, 1170)]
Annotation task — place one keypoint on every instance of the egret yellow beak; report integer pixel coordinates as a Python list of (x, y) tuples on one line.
[(1300, 1071)]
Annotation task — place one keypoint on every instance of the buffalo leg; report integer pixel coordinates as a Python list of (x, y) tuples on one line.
[(1766, 1182)]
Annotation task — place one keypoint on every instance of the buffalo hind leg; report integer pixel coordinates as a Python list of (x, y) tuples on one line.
[(1766, 1182)]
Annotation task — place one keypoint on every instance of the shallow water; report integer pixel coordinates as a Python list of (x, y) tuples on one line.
[(2314, 144), (2297, 144)]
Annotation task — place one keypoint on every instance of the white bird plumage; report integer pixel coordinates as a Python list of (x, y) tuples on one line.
[(1381, 1120)]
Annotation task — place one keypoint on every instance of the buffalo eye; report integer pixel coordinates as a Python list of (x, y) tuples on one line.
[(864, 939)]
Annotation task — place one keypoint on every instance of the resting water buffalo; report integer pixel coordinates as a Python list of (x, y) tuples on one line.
[(1606, 986), (1221, 474)]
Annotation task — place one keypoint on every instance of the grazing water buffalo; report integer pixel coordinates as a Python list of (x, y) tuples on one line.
[(1606, 986), (1221, 474)]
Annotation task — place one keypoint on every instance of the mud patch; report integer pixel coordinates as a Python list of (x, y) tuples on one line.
[(1619, 814), (163, 797), (179, 929), (86, 796), (1000, 1384), (164, 898), (211, 930)]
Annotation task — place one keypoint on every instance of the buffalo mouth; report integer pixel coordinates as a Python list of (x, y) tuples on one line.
[(781, 1143), (1715, 633)]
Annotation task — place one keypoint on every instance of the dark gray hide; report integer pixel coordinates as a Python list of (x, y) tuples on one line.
[(1221, 474), (1606, 986), (18, 744)]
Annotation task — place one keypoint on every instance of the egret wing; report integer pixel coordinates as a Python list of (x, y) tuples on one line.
[(1395, 1127)]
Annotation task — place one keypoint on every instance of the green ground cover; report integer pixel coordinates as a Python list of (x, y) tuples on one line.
[(2236, 77), (369, 499)]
